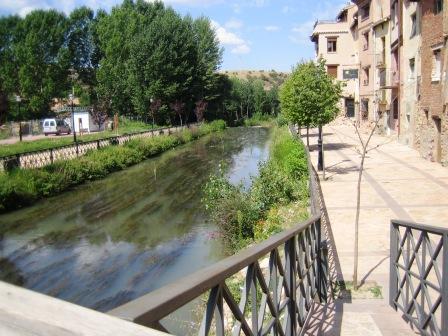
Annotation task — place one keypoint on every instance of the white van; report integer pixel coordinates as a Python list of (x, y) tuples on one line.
[(55, 126)]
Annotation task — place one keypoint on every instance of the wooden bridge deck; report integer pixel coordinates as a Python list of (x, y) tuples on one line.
[(24, 312)]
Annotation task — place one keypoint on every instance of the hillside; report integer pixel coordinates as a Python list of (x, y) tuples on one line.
[(270, 77)]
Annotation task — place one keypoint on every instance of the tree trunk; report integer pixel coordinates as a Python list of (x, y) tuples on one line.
[(153, 123), (180, 118), (358, 206)]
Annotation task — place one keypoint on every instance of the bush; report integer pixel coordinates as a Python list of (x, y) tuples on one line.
[(258, 119), (245, 216)]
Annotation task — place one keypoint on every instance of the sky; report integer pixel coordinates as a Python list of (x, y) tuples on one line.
[(255, 34)]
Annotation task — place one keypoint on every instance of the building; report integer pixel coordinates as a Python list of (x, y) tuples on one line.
[(335, 41), (391, 54), (431, 120), (410, 71)]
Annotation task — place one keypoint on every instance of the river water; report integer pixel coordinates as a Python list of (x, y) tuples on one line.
[(109, 241)]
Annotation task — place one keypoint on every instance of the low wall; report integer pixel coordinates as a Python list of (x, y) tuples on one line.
[(40, 158)]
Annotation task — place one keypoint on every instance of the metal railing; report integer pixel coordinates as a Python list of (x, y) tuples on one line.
[(276, 299), (43, 157), (419, 275)]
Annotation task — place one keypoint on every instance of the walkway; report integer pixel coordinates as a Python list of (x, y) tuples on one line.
[(397, 184)]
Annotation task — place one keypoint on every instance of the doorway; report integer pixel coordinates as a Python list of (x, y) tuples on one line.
[(349, 107)]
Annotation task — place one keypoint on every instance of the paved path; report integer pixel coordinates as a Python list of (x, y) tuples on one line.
[(397, 184)]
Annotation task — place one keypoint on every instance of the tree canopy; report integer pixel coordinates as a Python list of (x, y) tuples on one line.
[(141, 59), (310, 97)]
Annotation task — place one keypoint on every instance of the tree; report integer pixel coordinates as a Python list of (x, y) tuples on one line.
[(99, 114), (201, 106), (154, 107), (209, 58), (309, 97), (364, 151), (178, 107)]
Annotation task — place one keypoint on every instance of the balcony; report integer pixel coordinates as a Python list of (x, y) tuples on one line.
[(381, 60), (388, 79)]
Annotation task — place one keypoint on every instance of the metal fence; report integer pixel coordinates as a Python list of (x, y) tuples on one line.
[(40, 158), (418, 275), (276, 299)]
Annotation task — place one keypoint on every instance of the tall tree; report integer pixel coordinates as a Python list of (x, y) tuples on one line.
[(41, 57), (8, 63)]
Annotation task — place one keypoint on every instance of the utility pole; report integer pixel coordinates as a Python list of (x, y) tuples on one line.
[(71, 97)]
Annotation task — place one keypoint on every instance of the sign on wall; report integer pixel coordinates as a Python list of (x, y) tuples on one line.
[(350, 74)]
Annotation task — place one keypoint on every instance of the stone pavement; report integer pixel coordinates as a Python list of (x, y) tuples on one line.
[(397, 184)]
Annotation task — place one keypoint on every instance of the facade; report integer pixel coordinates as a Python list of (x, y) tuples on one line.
[(410, 71), (431, 129), (366, 59), (335, 41), (398, 49)]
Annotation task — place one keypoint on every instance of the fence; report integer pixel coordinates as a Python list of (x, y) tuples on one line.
[(275, 300), (40, 158), (30, 127), (418, 275)]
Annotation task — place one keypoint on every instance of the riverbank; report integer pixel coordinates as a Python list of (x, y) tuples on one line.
[(20, 188), (278, 197)]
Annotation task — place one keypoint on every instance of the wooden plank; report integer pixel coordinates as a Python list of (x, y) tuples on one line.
[(24, 312)]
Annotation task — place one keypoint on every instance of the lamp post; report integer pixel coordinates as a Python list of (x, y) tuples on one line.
[(320, 157), (71, 97), (19, 100)]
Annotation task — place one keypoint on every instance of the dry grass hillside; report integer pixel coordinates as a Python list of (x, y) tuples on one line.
[(270, 78)]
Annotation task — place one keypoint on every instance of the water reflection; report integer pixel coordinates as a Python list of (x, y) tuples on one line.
[(110, 241)]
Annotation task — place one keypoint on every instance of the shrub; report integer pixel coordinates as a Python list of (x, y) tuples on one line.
[(245, 216)]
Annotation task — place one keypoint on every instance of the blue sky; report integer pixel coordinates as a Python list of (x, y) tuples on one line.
[(256, 34)]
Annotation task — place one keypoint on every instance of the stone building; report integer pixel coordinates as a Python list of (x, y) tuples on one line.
[(366, 59), (431, 129), (410, 73), (336, 42)]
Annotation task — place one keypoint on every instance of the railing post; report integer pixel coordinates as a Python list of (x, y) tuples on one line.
[(444, 291), (51, 155), (290, 261), (393, 283), (97, 144), (322, 267)]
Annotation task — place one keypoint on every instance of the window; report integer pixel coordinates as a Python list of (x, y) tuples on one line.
[(331, 45), (394, 13), (411, 68), (365, 108), (366, 76), (365, 12), (332, 70), (413, 25), (436, 66), (438, 6), (46, 124), (52, 123), (366, 40)]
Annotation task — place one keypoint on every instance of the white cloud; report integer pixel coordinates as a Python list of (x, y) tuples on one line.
[(239, 46), (234, 24), (241, 49), (288, 9), (272, 28)]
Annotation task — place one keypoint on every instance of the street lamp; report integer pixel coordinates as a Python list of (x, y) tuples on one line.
[(71, 96), (19, 100)]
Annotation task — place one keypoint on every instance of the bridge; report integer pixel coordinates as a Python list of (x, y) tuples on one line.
[(297, 281)]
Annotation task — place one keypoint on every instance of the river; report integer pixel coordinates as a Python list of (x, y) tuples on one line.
[(107, 242)]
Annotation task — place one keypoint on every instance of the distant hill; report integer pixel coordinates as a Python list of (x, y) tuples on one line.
[(269, 77)]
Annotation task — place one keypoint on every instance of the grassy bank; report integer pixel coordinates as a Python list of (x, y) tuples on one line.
[(125, 126), (23, 187), (277, 198)]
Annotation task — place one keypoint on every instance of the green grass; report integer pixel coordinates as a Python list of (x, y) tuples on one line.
[(22, 187), (254, 215), (125, 126)]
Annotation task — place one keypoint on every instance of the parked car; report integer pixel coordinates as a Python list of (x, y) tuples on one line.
[(56, 126)]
